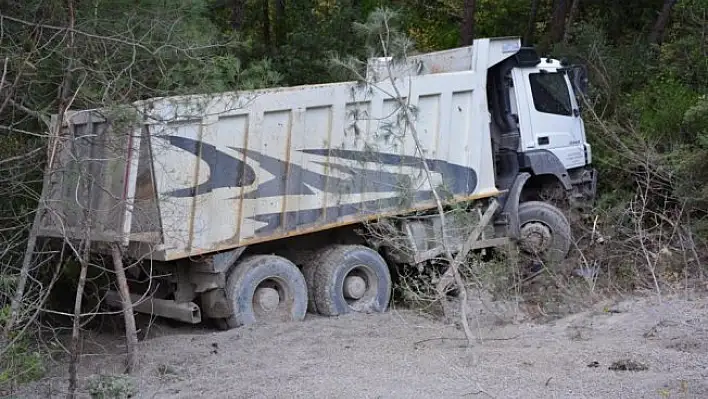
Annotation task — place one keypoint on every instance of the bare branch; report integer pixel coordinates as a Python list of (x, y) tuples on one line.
[(109, 38)]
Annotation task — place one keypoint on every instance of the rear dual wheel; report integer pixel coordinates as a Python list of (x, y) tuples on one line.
[(266, 289), (348, 278), (339, 280)]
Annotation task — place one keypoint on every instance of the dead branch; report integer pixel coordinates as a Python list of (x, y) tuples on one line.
[(76, 327), (119, 40), (453, 261), (460, 339), (131, 335)]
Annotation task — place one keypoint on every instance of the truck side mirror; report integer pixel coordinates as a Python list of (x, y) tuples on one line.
[(579, 78)]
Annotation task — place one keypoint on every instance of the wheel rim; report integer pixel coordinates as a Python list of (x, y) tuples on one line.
[(272, 299), (536, 237), (359, 287)]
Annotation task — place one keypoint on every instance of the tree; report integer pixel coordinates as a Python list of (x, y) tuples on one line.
[(468, 19), (386, 40), (237, 14), (60, 55), (557, 23), (572, 14), (531, 25), (267, 40), (657, 33), (280, 23)]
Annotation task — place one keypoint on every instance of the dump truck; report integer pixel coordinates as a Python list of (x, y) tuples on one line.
[(263, 205)]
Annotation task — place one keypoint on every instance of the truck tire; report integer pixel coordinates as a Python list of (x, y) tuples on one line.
[(545, 231), (308, 270), (350, 278), (266, 288)]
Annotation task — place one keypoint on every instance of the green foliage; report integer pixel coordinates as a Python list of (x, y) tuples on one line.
[(219, 74), (383, 36), (111, 387), (659, 109), (123, 51), (615, 70), (316, 30), (690, 159), (20, 361), (649, 105), (685, 53), (436, 25)]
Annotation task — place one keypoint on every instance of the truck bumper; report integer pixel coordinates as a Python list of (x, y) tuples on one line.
[(584, 181)]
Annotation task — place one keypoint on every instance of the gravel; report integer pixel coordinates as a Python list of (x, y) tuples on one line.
[(401, 354)]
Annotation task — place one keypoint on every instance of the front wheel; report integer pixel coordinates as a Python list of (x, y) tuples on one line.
[(545, 231)]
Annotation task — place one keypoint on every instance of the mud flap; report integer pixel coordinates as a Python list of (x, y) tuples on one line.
[(510, 205), (215, 304)]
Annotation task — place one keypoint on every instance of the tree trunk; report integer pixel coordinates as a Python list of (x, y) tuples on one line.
[(237, 14), (467, 28), (572, 14), (266, 25), (27, 261), (531, 26), (75, 357), (280, 26), (557, 29), (131, 335), (657, 33)]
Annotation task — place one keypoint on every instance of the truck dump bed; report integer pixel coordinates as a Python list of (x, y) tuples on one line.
[(203, 173)]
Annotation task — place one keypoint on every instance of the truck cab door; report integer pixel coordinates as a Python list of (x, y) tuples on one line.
[(553, 117)]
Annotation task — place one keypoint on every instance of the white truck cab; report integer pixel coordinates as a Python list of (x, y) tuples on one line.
[(551, 118), (537, 126)]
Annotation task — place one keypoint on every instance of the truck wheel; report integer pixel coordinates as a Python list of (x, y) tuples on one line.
[(350, 278), (308, 270), (545, 231), (266, 288)]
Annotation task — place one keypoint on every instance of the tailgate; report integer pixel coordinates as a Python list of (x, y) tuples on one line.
[(91, 180)]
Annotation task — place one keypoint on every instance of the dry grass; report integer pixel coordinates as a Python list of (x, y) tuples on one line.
[(616, 252)]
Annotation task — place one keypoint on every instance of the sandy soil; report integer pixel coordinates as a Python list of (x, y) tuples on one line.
[(402, 355)]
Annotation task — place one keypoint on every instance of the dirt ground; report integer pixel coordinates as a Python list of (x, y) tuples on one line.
[(401, 354)]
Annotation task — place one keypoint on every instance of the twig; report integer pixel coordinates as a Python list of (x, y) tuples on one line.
[(139, 45), (4, 73), (463, 339), (20, 157), (479, 392)]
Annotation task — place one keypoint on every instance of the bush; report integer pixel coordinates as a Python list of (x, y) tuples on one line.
[(111, 387), (20, 362)]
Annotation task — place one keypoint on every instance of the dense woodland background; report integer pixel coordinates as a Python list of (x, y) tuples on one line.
[(647, 112)]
